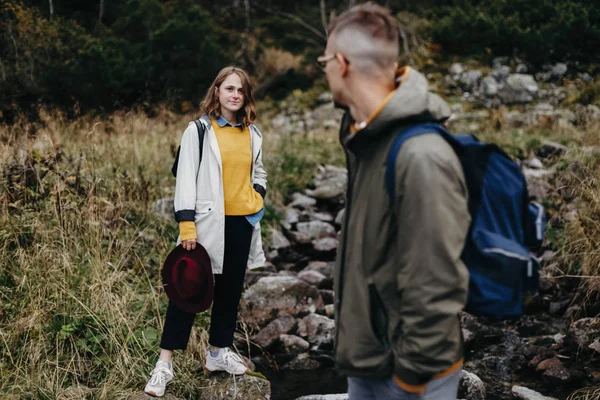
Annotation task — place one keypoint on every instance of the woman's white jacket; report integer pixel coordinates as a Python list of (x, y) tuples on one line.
[(199, 192)]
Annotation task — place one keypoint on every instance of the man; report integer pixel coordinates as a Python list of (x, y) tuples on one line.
[(400, 284)]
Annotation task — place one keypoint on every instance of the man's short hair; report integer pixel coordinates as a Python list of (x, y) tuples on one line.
[(368, 33)]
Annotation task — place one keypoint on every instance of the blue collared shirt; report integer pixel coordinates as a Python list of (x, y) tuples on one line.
[(221, 121), (255, 218)]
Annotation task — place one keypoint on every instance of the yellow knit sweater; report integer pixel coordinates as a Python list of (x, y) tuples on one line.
[(236, 157)]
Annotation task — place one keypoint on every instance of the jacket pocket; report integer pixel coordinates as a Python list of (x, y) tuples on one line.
[(379, 317), (204, 206), (498, 279), (204, 209)]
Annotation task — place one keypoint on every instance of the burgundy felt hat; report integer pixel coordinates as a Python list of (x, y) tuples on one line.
[(188, 279)]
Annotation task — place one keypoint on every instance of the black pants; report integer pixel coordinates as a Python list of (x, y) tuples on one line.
[(227, 294)]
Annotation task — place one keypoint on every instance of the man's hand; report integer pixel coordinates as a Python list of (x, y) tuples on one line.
[(189, 244)]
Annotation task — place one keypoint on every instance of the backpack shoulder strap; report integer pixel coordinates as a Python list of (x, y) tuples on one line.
[(415, 130), (200, 125)]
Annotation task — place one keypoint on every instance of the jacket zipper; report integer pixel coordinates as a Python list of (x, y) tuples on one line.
[(340, 288)]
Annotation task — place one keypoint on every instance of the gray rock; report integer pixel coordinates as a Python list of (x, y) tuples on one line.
[(537, 183), (302, 362), (330, 124), (325, 245), (535, 164), (558, 71), (498, 62), (501, 73), (470, 79), (489, 86), (542, 113), (471, 387), (326, 97), (594, 346), (551, 149), (271, 333), (330, 312), (330, 182), (456, 69), (232, 387), (278, 295), (523, 393), (325, 268), (302, 201), (315, 278), (293, 344), (585, 77), (515, 119), (278, 240), (164, 208), (587, 114), (554, 368), (521, 69), (326, 191), (457, 108), (343, 396), (309, 231), (321, 216), (339, 219), (583, 332), (317, 329), (518, 88), (292, 216), (280, 121)]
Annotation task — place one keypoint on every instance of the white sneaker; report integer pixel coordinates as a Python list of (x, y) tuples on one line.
[(159, 377), (226, 360)]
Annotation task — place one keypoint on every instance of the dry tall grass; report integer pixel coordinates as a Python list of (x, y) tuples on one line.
[(81, 308)]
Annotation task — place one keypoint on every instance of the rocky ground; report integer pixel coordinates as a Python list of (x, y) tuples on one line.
[(552, 351)]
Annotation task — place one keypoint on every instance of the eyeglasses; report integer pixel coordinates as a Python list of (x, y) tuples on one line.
[(324, 59)]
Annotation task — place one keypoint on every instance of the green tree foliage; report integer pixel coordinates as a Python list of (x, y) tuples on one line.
[(539, 30), (110, 54), (153, 51)]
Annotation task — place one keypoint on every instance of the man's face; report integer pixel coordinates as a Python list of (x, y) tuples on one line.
[(333, 72)]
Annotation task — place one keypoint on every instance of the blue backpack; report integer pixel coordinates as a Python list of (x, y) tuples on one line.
[(505, 226)]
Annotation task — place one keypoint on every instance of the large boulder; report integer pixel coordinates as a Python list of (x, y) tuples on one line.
[(231, 387), (278, 240), (271, 333), (277, 295), (523, 393), (317, 329), (471, 387), (518, 88), (307, 232), (330, 182), (315, 278), (293, 344)]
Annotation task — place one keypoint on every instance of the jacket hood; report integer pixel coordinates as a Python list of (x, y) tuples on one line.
[(411, 102)]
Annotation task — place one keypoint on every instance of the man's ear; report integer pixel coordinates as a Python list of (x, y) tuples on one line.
[(344, 64)]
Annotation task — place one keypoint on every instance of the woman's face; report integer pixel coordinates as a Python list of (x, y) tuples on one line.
[(231, 94)]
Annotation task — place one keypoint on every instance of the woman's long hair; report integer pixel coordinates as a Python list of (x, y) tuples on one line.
[(211, 106)]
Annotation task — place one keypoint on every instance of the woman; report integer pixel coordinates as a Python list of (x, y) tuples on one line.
[(218, 203)]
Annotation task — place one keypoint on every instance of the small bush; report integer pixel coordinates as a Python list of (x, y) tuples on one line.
[(276, 61)]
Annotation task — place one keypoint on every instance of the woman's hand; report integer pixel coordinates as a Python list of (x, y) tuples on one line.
[(189, 244)]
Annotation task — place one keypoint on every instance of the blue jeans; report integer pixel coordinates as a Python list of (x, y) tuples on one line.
[(444, 388)]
